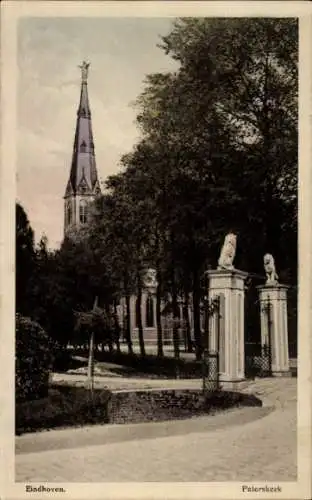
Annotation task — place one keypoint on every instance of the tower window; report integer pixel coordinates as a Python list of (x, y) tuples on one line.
[(68, 214), (149, 312), (83, 147), (83, 212)]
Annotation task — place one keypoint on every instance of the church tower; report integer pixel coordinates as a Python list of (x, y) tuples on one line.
[(83, 185)]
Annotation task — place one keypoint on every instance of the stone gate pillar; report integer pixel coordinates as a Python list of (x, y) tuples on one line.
[(226, 333), (274, 328)]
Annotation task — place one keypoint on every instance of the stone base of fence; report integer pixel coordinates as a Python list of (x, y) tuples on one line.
[(287, 373), (233, 385)]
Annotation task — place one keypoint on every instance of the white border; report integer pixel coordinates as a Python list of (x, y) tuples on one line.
[(11, 12)]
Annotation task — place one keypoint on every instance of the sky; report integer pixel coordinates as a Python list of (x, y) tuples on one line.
[(121, 51)]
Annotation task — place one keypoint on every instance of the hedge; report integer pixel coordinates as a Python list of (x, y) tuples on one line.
[(33, 359), (64, 406)]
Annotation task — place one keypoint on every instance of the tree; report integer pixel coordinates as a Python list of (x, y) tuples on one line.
[(249, 67), (94, 326), (25, 256), (143, 191), (189, 206), (110, 236), (51, 297)]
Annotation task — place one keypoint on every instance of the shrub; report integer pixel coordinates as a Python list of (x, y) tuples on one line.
[(33, 359), (63, 407), (62, 359)]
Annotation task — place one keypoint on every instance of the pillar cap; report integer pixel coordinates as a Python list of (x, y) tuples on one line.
[(227, 273), (269, 287)]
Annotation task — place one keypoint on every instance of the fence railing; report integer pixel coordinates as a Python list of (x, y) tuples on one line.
[(258, 361)]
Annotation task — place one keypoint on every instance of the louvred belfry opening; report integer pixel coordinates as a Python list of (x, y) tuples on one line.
[(83, 181)]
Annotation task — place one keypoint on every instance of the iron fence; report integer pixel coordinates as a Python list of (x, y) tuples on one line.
[(210, 359), (210, 364), (258, 363)]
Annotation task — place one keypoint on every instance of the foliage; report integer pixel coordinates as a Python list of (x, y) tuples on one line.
[(33, 359), (98, 322), (230, 115), (64, 281), (63, 407)]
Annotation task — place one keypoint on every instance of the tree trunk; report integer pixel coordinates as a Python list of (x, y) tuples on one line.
[(160, 349), (116, 327), (139, 317), (91, 363), (175, 309), (175, 329), (196, 313), (186, 318), (128, 325), (206, 326), (109, 331)]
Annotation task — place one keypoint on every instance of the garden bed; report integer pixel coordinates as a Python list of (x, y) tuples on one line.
[(75, 406)]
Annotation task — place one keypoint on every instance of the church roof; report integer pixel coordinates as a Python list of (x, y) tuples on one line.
[(83, 174)]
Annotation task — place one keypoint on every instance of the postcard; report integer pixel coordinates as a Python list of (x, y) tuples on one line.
[(156, 249)]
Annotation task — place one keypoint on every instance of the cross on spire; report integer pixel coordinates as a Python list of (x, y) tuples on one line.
[(84, 71)]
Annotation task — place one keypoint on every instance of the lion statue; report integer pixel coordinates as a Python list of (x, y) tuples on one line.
[(150, 278), (228, 252), (269, 267)]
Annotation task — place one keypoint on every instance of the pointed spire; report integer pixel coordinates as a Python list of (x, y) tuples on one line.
[(83, 175), (83, 185)]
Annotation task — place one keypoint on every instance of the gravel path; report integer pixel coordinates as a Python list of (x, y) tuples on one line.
[(264, 449), (237, 446)]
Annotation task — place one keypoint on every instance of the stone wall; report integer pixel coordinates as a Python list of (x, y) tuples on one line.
[(158, 405)]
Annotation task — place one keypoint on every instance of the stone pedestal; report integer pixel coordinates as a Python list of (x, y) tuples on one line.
[(226, 333), (274, 328)]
